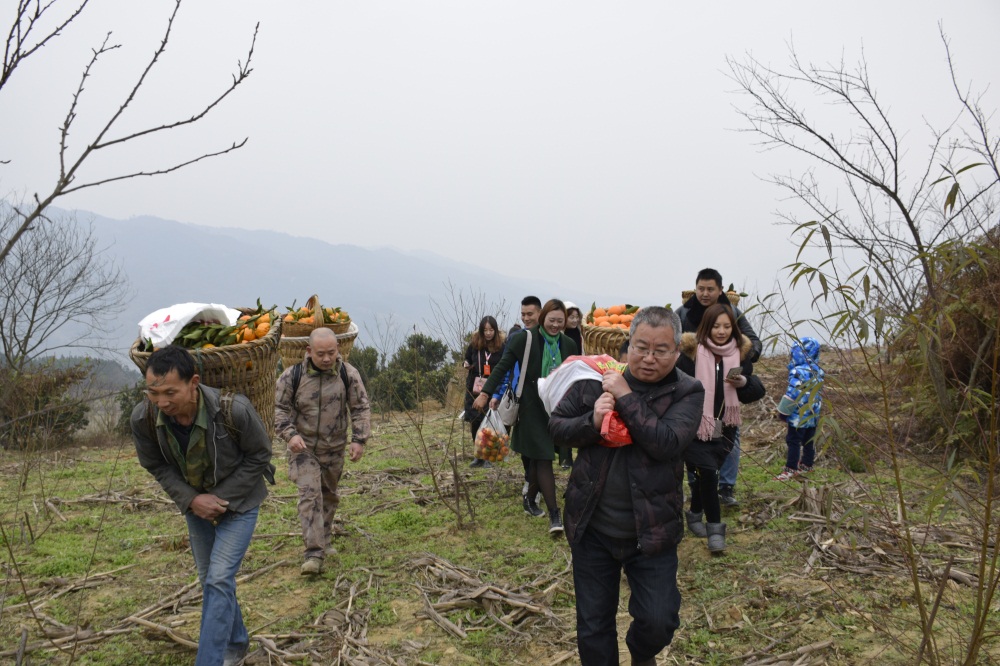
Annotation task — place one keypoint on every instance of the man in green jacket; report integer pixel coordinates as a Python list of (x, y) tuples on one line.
[(211, 453)]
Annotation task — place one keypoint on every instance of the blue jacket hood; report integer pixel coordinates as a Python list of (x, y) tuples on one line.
[(805, 352)]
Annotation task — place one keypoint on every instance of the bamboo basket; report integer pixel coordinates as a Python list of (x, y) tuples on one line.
[(293, 350), (603, 340), (295, 329), (250, 368)]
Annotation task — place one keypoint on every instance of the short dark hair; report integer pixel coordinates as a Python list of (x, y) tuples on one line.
[(171, 357), (709, 274), (531, 300)]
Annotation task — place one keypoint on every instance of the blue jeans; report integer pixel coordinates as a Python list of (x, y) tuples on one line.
[(654, 603), (731, 467), (800, 442), (218, 552)]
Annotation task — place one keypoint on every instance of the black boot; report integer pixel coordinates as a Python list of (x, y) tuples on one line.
[(531, 508), (555, 522)]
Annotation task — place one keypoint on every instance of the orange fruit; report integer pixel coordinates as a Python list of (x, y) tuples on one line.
[(615, 318), (262, 329), (616, 309), (289, 317), (307, 320), (208, 345), (245, 334), (264, 319), (599, 312)]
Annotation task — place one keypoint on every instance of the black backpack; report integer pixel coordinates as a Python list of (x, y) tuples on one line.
[(297, 378)]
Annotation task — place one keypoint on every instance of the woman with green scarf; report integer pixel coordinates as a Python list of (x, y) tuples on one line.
[(530, 437)]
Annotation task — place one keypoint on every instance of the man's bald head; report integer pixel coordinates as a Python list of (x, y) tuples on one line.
[(323, 348)]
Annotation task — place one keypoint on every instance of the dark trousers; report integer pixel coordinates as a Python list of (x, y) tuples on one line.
[(654, 603), (704, 484), (801, 451)]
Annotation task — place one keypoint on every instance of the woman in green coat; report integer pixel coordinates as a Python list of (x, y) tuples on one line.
[(530, 437)]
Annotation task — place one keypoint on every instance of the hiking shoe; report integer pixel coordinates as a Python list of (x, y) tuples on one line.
[(330, 550), (311, 566), (531, 508), (478, 462), (726, 497), (786, 474), (805, 469), (555, 523), (486, 464)]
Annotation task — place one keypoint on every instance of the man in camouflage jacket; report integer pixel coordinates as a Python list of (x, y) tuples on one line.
[(313, 419)]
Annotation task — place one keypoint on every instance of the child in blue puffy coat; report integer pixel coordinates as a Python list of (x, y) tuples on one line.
[(800, 407)]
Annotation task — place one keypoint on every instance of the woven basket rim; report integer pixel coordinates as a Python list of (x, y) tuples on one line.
[(226, 350)]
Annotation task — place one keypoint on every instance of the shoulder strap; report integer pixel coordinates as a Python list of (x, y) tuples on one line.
[(524, 364), (151, 419), (296, 380), (226, 407)]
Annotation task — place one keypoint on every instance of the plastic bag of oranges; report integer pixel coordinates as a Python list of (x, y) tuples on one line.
[(492, 439)]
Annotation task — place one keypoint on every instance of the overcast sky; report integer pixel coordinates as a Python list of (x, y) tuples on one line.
[(589, 143)]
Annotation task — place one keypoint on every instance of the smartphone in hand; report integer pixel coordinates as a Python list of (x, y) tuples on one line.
[(734, 373)]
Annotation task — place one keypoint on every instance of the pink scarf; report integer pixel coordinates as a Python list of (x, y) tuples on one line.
[(704, 371)]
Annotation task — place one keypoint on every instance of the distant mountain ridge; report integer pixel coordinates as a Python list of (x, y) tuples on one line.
[(171, 262)]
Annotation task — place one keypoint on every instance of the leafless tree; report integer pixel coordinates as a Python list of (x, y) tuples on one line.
[(460, 313), (56, 280), (878, 238), (30, 31)]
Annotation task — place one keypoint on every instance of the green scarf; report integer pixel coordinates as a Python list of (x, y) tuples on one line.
[(551, 354)]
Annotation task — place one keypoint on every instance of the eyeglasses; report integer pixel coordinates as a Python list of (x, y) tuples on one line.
[(658, 354)]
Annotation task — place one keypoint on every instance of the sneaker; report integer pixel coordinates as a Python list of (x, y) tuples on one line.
[(566, 465), (805, 469), (330, 551), (555, 523), (478, 462), (311, 566), (786, 474), (726, 497), (531, 508), (234, 656), (486, 464)]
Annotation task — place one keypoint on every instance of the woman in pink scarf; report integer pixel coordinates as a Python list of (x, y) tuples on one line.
[(715, 355)]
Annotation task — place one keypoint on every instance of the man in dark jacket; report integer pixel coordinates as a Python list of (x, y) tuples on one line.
[(624, 504), (210, 453), (707, 292)]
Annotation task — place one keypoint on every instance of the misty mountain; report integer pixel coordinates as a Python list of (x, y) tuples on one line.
[(171, 262)]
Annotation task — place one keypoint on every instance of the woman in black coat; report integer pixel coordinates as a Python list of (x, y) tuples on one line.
[(483, 353), (716, 355)]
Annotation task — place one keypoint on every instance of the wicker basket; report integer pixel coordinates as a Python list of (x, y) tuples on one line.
[(295, 329), (293, 350), (341, 327), (249, 368), (603, 340)]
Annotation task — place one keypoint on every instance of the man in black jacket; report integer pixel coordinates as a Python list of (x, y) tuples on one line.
[(624, 503), (708, 291), (211, 453)]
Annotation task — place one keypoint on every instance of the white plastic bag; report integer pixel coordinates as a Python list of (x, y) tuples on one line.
[(492, 438), (162, 326)]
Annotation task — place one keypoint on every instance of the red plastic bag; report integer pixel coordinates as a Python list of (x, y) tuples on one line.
[(614, 431)]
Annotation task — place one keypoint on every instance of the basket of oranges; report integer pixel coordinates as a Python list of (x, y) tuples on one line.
[(299, 322), (241, 358), (605, 329)]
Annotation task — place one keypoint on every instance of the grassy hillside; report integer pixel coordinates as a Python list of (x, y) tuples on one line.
[(813, 574)]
